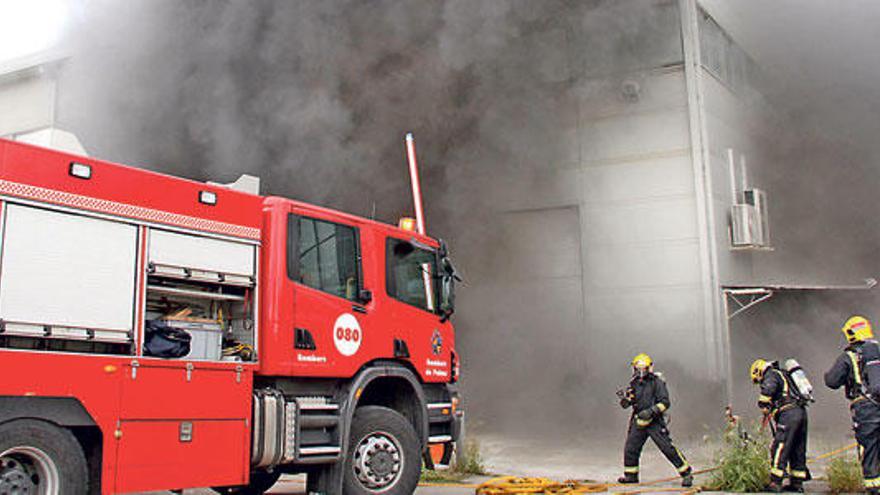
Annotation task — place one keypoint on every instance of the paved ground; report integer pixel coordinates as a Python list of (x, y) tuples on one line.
[(296, 485), (566, 460), (288, 487)]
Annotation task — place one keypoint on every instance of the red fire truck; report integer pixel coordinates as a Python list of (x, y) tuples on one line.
[(158, 333)]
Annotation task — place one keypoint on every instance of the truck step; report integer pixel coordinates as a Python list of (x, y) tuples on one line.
[(318, 421), (320, 450)]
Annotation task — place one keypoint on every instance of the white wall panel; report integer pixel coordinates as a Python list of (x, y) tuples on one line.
[(639, 179), (650, 265), (636, 135), (26, 104), (641, 222)]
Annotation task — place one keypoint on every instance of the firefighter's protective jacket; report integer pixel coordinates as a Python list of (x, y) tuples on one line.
[(776, 391), (848, 371), (648, 393)]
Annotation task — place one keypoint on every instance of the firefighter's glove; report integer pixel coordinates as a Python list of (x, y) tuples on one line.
[(644, 418)]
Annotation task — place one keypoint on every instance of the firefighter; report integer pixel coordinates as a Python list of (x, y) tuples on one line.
[(649, 399), (785, 409), (857, 370)]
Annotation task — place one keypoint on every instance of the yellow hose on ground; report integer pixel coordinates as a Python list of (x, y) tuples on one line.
[(833, 452), (513, 485)]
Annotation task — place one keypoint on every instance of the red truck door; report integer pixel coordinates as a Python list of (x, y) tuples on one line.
[(330, 312), (412, 286)]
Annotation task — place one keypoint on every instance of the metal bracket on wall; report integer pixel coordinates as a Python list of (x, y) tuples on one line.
[(739, 299), (744, 299)]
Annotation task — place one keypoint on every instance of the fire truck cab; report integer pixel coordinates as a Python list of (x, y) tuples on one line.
[(158, 333)]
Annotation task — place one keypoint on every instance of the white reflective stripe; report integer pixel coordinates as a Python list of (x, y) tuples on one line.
[(439, 405)]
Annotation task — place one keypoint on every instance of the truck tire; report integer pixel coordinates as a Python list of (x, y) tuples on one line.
[(261, 482), (384, 455), (39, 457)]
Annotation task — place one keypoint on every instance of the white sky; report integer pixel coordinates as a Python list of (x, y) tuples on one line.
[(29, 26)]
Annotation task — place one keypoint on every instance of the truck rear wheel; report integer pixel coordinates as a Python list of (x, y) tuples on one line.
[(383, 454), (40, 458)]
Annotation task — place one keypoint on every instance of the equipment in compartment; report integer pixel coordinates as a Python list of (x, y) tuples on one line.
[(205, 287), (207, 313), (165, 341), (206, 338)]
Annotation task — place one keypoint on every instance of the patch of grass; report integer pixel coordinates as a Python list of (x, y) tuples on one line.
[(467, 463), (471, 460), (844, 474), (743, 460), (442, 476)]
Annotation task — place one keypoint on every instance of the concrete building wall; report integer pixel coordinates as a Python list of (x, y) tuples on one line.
[(626, 189), (640, 238), (27, 101), (28, 97), (739, 141)]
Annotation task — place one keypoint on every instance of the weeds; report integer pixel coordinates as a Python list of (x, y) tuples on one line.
[(468, 462), (442, 476), (844, 474), (742, 460)]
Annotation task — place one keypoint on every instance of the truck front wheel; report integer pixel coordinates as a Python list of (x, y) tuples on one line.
[(38, 457), (383, 454)]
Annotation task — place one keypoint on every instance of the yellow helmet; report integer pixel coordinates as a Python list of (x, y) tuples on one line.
[(642, 361), (857, 329), (757, 370)]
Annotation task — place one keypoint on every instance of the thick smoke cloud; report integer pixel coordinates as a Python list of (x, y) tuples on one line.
[(315, 96)]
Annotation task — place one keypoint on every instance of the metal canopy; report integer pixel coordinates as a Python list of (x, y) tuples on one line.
[(740, 298)]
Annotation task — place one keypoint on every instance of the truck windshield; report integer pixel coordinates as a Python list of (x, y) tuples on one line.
[(411, 274)]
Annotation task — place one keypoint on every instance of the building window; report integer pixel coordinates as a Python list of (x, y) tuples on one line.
[(327, 255), (410, 274)]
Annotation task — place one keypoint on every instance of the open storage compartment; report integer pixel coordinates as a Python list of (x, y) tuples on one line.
[(203, 290)]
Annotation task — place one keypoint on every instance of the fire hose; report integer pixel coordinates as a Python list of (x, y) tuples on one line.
[(513, 485)]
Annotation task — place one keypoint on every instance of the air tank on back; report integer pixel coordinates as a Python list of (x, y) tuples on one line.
[(799, 377)]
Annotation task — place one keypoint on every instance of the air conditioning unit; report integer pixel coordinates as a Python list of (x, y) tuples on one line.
[(757, 198), (743, 218), (749, 222)]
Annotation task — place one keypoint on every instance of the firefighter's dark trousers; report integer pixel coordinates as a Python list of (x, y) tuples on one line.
[(635, 440), (866, 423), (789, 448)]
